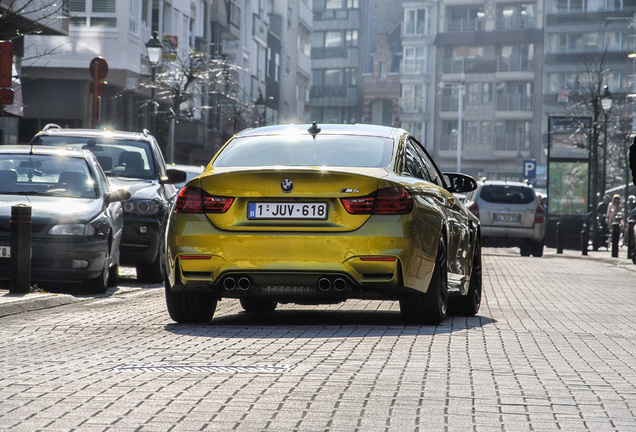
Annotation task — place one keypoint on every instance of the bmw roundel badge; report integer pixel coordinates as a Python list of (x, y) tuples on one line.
[(286, 184)]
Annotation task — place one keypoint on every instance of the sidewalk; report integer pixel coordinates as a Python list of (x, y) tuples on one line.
[(11, 304)]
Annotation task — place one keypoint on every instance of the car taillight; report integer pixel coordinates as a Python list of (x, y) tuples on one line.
[(474, 208), (539, 214), (195, 200), (393, 200)]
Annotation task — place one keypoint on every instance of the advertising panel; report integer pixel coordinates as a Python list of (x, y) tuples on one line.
[(568, 188)]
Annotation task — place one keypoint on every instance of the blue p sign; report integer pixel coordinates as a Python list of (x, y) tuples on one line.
[(530, 169)]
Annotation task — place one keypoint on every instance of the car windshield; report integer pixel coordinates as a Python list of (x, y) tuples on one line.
[(326, 150), (507, 194), (118, 158), (46, 175)]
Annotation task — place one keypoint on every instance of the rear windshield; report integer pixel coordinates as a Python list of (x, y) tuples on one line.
[(507, 194), (336, 151), (118, 158)]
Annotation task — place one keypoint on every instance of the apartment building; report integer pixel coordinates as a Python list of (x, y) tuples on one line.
[(17, 19), (337, 61), (57, 80), (418, 69), (589, 45), (488, 77)]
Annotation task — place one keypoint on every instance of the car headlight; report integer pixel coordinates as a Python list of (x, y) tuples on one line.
[(141, 207), (73, 230)]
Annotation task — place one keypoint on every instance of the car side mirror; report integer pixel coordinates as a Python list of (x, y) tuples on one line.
[(118, 195), (460, 183), (174, 176)]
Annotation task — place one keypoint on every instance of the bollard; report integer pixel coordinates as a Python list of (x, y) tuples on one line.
[(631, 240), (585, 240), (616, 233), (559, 238), (20, 272)]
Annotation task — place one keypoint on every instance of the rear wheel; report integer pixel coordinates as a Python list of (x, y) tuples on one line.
[(469, 304), (113, 275), (525, 249), (430, 307), (537, 249), (257, 305), (190, 306)]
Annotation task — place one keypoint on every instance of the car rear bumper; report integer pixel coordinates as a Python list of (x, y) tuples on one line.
[(512, 235), (199, 256)]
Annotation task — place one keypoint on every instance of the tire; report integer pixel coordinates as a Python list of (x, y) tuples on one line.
[(429, 308), (469, 304), (190, 306), (525, 249), (152, 272), (99, 284), (113, 276), (537, 249), (257, 305)]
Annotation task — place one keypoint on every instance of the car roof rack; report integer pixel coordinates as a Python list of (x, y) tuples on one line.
[(51, 126)]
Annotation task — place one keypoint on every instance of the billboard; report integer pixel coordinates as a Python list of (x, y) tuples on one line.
[(568, 188)]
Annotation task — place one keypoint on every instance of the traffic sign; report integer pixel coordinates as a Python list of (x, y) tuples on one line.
[(98, 68), (530, 169)]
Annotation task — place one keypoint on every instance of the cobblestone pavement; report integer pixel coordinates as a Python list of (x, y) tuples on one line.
[(553, 349)]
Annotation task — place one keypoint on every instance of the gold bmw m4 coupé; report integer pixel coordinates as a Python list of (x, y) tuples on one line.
[(318, 214)]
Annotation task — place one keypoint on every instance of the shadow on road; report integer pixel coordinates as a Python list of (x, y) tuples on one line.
[(312, 324)]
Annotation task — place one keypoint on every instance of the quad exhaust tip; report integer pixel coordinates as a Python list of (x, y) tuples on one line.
[(325, 284), (243, 283)]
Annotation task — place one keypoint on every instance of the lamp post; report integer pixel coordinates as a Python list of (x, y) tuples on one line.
[(606, 104), (154, 47), (262, 121)]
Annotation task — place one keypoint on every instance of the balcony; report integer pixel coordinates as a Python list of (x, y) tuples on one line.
[(515, 64), (514, 102), (465, 25)]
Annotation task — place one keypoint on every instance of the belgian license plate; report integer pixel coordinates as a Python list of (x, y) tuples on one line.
[(507, 217), (280, 210), (5, 251)]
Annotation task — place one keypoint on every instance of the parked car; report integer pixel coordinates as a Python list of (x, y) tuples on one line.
[(314, 215), (76, 218), (510, 215), (132, 161)]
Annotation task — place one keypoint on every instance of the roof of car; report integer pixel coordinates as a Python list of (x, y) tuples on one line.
[(40, 150), (53, 129), (505, 182), (325, 129)]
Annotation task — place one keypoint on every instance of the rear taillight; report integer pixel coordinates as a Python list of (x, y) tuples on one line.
[(195, 200), (539, 214), (393, 200), (474, 208)]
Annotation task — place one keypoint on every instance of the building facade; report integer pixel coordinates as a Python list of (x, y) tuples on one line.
[(488, 76)]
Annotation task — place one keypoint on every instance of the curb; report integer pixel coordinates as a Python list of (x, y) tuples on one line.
[(12, 304)]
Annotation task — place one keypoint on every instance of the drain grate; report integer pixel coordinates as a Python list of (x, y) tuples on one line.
[(256, 369)]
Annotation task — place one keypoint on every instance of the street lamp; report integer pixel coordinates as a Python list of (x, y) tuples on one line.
[(606, 104), (154, 47), (261, 102)]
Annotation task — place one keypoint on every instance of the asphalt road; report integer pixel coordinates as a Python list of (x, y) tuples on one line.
[(553, 349)]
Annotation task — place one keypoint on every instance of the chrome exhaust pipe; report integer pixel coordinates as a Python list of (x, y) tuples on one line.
[(244, 283), (340, 284), (229, 283), (324, 284)]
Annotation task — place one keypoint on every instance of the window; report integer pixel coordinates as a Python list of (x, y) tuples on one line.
[(99, 13), (413, 98), (351, 38), (333, 39), (487, 92), (472, 93), (414, 60), (415, 22)]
